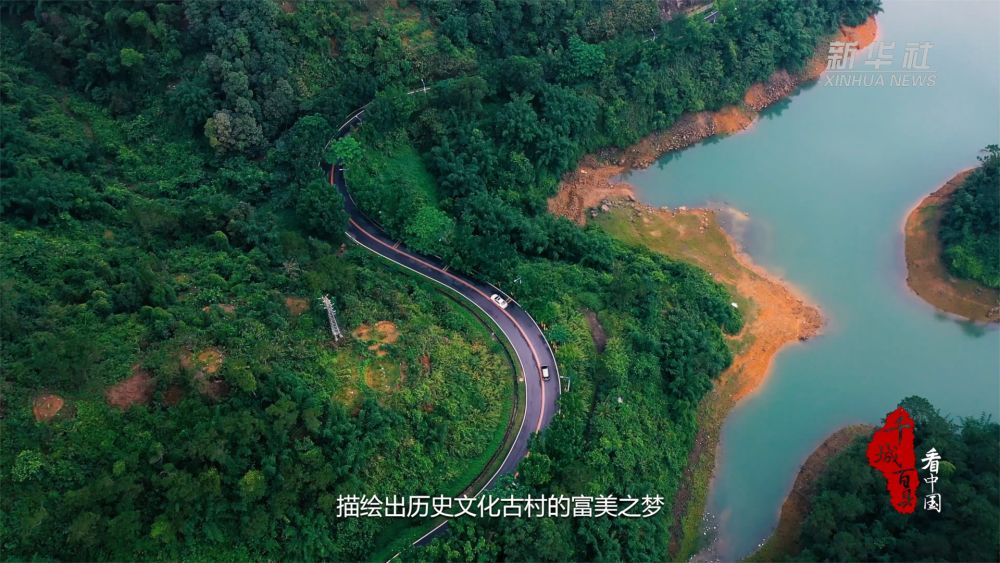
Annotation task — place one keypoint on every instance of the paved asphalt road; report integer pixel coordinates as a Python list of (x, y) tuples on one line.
[(527, 341)]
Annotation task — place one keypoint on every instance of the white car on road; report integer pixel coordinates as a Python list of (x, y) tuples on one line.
[(500, 301)]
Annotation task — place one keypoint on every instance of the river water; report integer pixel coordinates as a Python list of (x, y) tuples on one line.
[(827, 178)]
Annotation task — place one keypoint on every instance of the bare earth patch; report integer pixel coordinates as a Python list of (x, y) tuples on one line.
[(210, 360), (597, 333), (224, 307), (926, 273), (136, 390), (585, 188), (732, 119), (296, 305), (785, 539), (47, 406), (206, 364), (385, 377), (384, 332)]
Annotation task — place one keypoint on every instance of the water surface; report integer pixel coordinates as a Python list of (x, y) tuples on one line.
[(828, 178)]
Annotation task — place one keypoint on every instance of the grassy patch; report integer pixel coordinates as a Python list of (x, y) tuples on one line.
[(402, 162), (691, 236)]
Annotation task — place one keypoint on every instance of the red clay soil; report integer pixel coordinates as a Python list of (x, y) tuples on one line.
[(209, 362), (926, 273), (136, 390), (384, 332), (206, 364), (586, 187), (296, 305), (732, 119), (47, 406)]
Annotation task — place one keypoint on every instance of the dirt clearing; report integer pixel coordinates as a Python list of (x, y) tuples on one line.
[(384, 332), (136, 390), (206, 364), (47, 406), (296, 305)]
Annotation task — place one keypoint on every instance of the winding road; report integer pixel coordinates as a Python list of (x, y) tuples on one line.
[(523, 333)]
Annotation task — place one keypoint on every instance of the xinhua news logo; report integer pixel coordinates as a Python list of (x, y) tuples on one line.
[(882, 65)]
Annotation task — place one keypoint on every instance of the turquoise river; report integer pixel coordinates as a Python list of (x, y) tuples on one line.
[(827, 178)]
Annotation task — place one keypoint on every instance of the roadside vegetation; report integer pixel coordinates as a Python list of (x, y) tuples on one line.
[(533, 98), (162, 204)]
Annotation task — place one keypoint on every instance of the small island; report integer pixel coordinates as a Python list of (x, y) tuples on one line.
[(953, 243)]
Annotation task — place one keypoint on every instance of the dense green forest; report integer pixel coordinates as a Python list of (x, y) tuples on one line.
[(131, 248), (970, 225), (851, 519), (164, 219), (131, 253)]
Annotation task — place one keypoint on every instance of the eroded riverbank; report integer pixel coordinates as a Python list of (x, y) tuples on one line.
[(776, 313), (594, 180)]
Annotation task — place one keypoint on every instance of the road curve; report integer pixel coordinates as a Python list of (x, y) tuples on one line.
[(525, 337)]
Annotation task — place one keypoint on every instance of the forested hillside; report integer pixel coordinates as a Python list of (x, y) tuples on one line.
[(851, 519), (970, 225), (131, 254), (166, 225)]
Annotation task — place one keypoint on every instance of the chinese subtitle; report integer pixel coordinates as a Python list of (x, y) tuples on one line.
[(423, 506)]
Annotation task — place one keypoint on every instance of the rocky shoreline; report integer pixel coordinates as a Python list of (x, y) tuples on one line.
[(594, 179)]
